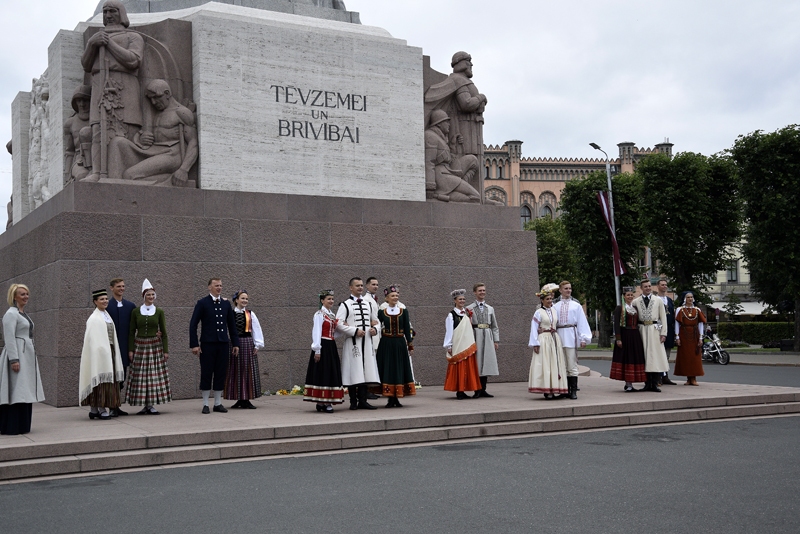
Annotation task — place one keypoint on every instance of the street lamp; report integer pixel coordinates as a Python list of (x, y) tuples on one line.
[(611, 210)]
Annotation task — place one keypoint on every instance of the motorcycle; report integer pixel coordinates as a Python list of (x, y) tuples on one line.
[(712, 348)]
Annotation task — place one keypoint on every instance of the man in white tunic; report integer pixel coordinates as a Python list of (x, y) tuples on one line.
[(574, 331), (487, 338), (357, 320), (652, 328), (371, 297)]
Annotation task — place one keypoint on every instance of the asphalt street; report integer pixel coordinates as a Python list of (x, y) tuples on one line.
[(728, 374), (739, 476)]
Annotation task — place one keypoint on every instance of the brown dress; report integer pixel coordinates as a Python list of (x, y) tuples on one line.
[(689, 361)]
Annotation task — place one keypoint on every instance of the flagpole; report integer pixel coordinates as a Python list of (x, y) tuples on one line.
[(611, 210)]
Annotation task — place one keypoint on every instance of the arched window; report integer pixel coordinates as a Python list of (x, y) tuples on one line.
[(500, 171), (487, 173), (525, 215), (546, 211), (496, 193)]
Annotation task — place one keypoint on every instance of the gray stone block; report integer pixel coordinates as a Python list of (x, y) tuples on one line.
[(39, 468), (191, 239)]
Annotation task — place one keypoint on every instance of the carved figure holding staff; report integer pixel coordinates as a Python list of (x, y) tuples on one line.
[(113, 57)]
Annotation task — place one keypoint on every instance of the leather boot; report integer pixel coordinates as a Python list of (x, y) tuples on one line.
[(573, 387), (654, 382), (362, 398), (484, 380), (353, 392)]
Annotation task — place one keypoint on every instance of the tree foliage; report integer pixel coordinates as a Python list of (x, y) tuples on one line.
[(556, 252), (768, 165), (693, 216), (589, 234)]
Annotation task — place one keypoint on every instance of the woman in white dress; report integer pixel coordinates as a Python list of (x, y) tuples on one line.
[(548, 373)]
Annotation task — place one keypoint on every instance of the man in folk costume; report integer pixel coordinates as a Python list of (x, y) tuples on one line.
[(652, 328), (120, 311), (217, 334), (487, 338), (574, 331), (370, 296), (101, 368), (669, 306), (459, 340), (357, 320)]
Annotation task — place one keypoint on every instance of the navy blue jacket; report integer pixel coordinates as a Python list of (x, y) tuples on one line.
[(122, 324), (670, 341), (218, 323)]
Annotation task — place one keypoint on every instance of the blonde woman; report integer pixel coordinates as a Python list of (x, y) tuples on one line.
[(548, 372), (20, 381)]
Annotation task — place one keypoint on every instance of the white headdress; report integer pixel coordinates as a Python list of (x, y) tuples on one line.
[(146, 285)]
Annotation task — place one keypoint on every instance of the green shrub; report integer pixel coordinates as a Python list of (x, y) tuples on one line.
[(755, 333)]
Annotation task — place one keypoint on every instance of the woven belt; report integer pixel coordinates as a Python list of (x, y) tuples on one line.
[(647, 323), (567, 326), (482, 325)]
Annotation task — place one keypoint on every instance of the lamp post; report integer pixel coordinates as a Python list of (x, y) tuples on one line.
[(611, 210)]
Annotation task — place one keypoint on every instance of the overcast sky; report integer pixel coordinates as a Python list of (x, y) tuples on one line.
[(558, 75)]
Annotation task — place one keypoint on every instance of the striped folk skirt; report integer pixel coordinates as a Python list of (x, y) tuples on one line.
[(324, 378), (148, 380), (244, 380)]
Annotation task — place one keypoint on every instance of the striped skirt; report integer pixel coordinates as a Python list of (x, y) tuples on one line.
[(148, 380), (244, 380), (324, 378)]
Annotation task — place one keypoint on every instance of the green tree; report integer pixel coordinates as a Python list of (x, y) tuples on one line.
[(693, 216), (589, 234), (768, 165), (556, 252), (733, 306)]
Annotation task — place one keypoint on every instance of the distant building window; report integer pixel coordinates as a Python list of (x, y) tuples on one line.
[(499, 172), (733, 271), (525, 215), (546, 211), (487, 174)]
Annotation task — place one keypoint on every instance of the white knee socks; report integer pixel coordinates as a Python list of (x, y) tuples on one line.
[(206, 393)]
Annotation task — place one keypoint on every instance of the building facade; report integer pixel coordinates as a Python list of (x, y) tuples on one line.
[(535, 184)]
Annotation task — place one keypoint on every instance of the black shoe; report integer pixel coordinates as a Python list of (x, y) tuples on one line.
[(328, 409), (320, 407), (220, 408), (486, 395), (460, 395), (372, 396), (397, 403), (667, 382), (206, 410), (247, 405), (353, 406), (143, 411), (119, 411), (239, 404), (628, 389), (476, 395), (549, 396), (99, 415), (390, 404), (364, 405)]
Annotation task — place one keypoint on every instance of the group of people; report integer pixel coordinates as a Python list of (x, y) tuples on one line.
[(558, 328), (126, 349), (646, 328)]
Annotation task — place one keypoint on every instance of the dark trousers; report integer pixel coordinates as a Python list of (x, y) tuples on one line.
[(213, 363), (15, 418)]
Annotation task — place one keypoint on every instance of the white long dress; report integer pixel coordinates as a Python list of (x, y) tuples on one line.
[(652, 325), (548, 373)]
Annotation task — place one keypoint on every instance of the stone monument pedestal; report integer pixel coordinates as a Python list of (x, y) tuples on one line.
[(282, 249)]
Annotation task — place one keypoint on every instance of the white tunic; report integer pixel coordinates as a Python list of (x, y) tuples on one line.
[(359, 365), (655, 356), (573, 328), (374, 305)]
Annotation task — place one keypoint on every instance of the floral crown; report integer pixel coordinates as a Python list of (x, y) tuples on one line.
[(391, 289)]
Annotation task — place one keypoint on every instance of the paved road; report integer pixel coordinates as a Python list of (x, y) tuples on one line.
[(727, 477), (730, 374)]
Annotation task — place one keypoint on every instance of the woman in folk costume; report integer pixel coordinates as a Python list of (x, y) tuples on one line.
[(459, 340), (394, 349), (548, 373), (101, 370), (324, 374), (148, 351), (689, 328), (627, 363), (20, 381), (244, 379)]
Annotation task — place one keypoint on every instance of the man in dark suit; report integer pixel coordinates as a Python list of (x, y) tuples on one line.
[(669, 304), (218, 332), (120, 311)]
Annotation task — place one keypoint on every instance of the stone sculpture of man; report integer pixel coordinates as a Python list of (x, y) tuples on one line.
[(113, 57), (447, 175), (168, 151), (77, 155)]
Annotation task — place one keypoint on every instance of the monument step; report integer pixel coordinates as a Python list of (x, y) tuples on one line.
[(169, 449)]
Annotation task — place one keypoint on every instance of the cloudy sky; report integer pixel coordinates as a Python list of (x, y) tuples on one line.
[(558, 75)]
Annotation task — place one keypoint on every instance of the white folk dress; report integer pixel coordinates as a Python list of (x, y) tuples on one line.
[(359, 365), (548, 372), (652, 325)]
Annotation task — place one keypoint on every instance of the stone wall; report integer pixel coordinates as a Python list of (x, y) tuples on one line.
[(283, 249)]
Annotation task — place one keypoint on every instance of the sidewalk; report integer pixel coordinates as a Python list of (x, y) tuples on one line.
[(778, 359), (64, 441)]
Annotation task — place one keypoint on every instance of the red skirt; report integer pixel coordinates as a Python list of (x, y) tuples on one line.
[(463, 376)]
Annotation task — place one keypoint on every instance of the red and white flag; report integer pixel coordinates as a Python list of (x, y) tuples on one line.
[(619, 266)]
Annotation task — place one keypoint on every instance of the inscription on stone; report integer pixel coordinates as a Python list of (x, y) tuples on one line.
[(319, 98)]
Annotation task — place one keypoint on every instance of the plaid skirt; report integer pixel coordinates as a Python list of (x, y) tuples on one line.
[(244, 380), (148, 377)]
